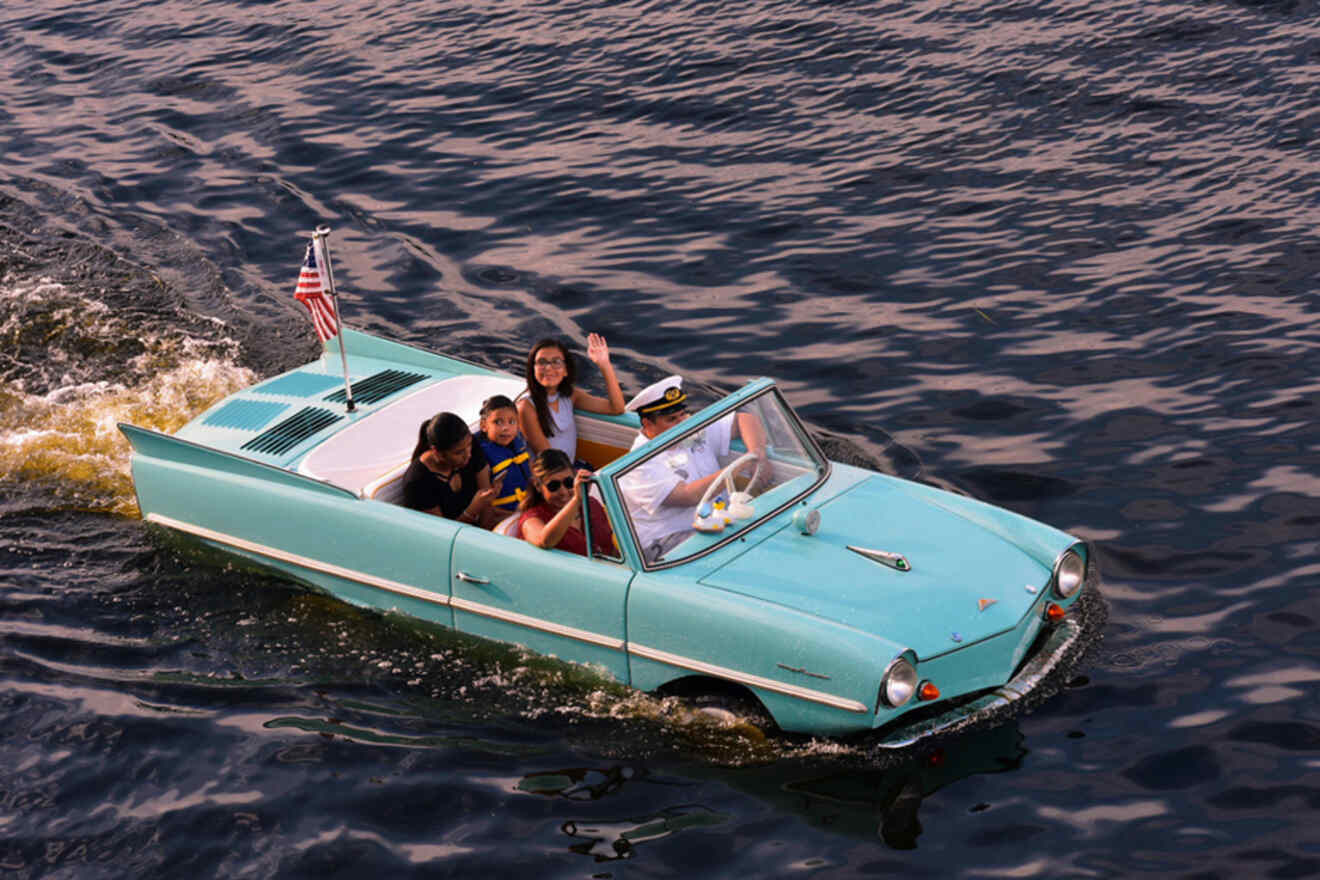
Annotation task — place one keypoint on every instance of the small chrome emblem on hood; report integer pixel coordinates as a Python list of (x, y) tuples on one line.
[(895, 561), (983, 604)]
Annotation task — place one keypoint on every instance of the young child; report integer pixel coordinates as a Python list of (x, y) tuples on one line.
[(506, 451)]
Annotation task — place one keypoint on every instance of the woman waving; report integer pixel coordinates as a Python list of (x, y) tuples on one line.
[(546, 413)]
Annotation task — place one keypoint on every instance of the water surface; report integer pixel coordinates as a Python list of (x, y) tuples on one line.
[(1057, 256)]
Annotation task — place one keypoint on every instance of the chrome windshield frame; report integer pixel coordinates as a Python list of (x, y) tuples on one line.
[(705, 418)]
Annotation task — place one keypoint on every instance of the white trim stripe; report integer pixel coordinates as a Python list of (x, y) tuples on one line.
[(768, 684), (460, 604), (306, 562), (536, 623), (557, 629)]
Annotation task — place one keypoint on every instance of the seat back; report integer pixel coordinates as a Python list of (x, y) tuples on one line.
[(388, 487), (507, 526)]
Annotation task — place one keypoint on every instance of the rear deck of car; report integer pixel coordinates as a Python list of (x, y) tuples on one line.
[(299, 420)]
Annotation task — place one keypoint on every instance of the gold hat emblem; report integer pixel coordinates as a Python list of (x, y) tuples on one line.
[(672, 393)]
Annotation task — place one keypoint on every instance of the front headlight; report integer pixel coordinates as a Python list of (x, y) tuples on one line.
[(1069, 573), (899, 683)]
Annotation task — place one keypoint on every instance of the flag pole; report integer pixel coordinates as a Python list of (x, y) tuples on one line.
[(321, 238)]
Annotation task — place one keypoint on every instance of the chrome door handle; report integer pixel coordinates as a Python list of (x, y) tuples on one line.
[(471, 579)]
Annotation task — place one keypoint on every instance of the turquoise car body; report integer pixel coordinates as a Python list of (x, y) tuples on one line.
[(282, 474)]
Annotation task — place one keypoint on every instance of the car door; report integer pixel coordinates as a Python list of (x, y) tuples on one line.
[(550, 601)]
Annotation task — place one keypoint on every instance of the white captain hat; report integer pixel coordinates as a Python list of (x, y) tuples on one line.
[(667, 395)]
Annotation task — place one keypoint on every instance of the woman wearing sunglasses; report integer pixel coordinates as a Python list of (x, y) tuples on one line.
[(552, 515)]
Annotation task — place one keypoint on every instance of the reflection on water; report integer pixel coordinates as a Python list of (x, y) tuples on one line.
[(863, 803), (1057, 256), (607, 842)]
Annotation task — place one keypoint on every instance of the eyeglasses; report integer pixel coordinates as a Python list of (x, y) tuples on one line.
[(549, 362), (554, 485)]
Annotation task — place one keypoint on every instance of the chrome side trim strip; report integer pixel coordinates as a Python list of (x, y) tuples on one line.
[(768, 684), (389, 585), (295, 559), (460, 604), (557, 629)]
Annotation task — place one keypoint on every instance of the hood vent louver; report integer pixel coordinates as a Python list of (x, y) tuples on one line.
[(245, 415), (289, 433), (377, 386), (299, 384)]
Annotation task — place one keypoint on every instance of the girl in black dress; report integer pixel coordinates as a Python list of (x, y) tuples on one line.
[(449, 475)]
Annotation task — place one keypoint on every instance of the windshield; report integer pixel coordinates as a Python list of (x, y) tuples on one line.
[(719, 479)]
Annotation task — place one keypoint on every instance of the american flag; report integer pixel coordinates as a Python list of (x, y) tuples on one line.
[(312, 292)]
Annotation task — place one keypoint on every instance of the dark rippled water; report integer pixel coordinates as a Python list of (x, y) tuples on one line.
[(1060, 256)]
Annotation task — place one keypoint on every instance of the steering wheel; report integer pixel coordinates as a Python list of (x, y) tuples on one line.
[(739, 502)]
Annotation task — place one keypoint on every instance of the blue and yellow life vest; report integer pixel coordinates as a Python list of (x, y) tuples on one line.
[(512, 461)]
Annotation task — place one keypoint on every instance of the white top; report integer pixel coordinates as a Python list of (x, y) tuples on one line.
[(565, 436), (377, 442), (645, 488)]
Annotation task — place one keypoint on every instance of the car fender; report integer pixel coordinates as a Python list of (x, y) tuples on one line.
[(810, 673), (364, 552)]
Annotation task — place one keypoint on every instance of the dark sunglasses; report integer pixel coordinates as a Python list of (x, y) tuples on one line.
[(553, 485)]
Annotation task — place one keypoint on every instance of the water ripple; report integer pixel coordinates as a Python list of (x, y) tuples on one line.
[(1056, 255)]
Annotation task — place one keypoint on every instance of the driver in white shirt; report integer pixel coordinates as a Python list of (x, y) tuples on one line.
[(662, 492)]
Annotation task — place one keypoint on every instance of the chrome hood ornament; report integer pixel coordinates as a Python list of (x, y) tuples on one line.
[(895, 561)]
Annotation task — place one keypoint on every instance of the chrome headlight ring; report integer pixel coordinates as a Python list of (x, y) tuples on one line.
[(899, 683), (1069, 574)]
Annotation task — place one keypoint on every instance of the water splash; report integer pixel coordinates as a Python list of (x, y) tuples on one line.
[(72, 368)]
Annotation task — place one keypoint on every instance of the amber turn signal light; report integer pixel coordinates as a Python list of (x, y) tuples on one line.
[(1054, 612), (928, 691)]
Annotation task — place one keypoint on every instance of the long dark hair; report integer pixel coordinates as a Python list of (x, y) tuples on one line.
[(442, 431), (549, 461), (536, 392)]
